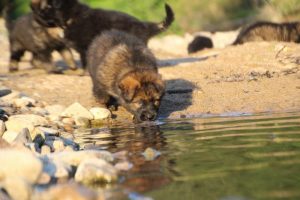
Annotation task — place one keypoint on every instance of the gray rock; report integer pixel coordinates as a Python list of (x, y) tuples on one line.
[(4, 92), (30, 121), (93, 171), (77, 110), (20, 164), (10, 136), (56, 168), (76, 157), (17, 188), (2, 128), (100, 113)]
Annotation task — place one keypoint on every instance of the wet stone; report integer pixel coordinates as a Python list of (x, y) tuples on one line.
[(77, 110), (100, 113)]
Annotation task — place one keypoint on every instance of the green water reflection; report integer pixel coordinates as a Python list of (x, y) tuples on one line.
[(249, 157)]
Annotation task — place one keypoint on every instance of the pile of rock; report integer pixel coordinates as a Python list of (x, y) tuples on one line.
[(37, 149)]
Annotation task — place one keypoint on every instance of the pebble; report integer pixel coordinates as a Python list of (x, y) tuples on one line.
[(76, 157), (17, 188), (100, 113), (56, 168), (10, 136), (123, 166), (45, 150), (151, 154), (77, 110), (20, 164), (58, 145), (18, 122), (2, 128), (92, 171), (23, 137), (4, 92), (68, 191), (55, 110)]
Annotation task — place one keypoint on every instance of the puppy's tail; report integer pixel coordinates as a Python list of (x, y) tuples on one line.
[(8, 15), (157, 28)]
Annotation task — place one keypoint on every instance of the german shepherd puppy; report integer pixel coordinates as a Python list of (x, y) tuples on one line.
[(124, 70), (82, 23), (199, 43), (29, 33), (267, 31)]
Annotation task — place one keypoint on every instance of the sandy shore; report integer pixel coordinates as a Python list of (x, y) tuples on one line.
[(251, 78)]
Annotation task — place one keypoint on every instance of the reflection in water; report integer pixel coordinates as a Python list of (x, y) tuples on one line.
[(248, 157)]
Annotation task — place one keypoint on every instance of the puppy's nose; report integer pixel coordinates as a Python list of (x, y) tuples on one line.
[(147, 116)]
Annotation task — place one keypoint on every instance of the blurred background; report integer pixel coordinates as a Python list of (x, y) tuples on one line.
[(198, 15)]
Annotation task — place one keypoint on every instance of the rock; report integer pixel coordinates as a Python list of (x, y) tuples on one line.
[(44, 179), (23, 137), (13, 95), (39, 111), (33, 147), (93, 171), (24, 102), (4, 196), (17, 188), (56, 168), (10, 136), (100, 113), (3, 144), (76, 110), (20, 164), (76, 157), (2, 128), (45, 150), (55, 110), (68, 191), (4, 92), (68, 120), (69, 148), (48, 131), (123, 166), (83, 122), (151, 154), (18, 122), (58, 145)]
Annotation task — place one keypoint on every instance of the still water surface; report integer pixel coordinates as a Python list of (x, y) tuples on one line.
[(222, 158)]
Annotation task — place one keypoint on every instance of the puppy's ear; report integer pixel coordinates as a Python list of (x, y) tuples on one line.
[(128, 86)]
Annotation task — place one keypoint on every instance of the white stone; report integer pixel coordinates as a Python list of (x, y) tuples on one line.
[(95, 171), (56, 168), (10, 136), (45, 150), (55, 110), (77, 110), (17, 188), (23, 137), (74, 158), (20, 164), (18, 122), (100, 113), (24, 101), (58, 145), (83, 122), (2, 128)]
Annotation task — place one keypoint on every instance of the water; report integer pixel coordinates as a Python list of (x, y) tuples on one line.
[(223, 158)]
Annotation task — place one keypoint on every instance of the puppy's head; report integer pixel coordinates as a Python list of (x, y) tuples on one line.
[(52, 13), (141, 94)]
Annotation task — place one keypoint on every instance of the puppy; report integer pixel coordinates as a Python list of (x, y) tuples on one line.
[(124, 70), (27, 33), (82, 24), (199, 43), (267, 31)]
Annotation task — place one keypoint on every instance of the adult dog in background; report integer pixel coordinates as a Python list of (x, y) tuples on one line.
[(124, 70), (82, 23), (28, 33), (267, 31)]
